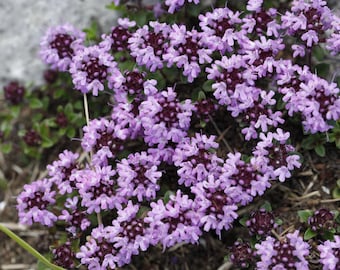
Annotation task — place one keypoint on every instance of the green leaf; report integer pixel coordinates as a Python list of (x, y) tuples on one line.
[(112, 6), (194, 10), (143, 210), (322, 70), (328, 235), (201, 95), (278, 221), (309, 234), (304, 215), (318, 53), (47, 143), (167, 195), (203, 124), (71, 132), (15, 111), (36, 103), (336, 193), (58, 93), (62, 131), (92, 31), (50, 122), (243, 221), (6, 148), (267, 206), (207, 86), (3, 184), (68, 110), (320, 150)]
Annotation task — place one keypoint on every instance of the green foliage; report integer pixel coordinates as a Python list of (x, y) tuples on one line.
[(315, 142), (336, 190), (334, 134), (39, 111), (92, 32), (304, 215), (309, 234)]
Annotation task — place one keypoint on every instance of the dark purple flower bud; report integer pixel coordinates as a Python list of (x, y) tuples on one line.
[(322, 219), (32, 138), (14, 92), (241, 254), (204, 108), (64, 256), (50, 76), (61, 119), (261, 222), (134, 82)]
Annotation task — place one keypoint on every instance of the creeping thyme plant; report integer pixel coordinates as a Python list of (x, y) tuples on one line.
[(157, 168)]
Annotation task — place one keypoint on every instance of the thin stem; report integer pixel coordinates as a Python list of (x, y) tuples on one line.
[(86, 109), (29, 248)]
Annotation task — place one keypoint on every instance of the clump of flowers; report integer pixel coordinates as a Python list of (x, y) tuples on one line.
[(149, 175), (59, 45), (288, 253)]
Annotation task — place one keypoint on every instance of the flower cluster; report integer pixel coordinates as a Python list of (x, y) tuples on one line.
[(151, 177)]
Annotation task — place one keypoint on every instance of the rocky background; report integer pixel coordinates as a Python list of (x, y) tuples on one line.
[(23, 22)]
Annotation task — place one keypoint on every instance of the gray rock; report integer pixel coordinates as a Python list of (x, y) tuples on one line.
[(23, 22)]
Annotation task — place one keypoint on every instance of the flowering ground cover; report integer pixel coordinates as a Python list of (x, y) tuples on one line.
[(209, 140)]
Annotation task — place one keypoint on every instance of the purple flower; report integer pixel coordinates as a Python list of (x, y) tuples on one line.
[(118, 39), (254, 5), (33, 203), (165, 154), (164, 118), (308, 20), (187, 51), (196, 159), (98, 253), (289, 253), (60, 171), (132, 83), (261, 21), (315, 98), (228, 73), (90, 68), (333, 43), (174, 222), (138, 176), (274, 158), (105, 138), (174, 5), (129, 233), (330, 254), (59, 45), (220, 29), (148, 44), (76, 219), (97, 189), (216, 200), (238, 173)]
